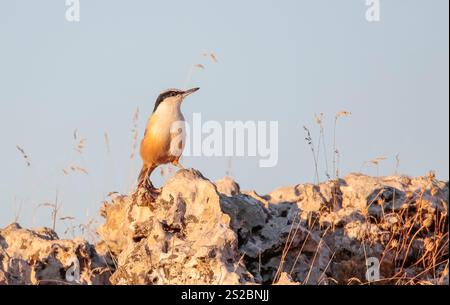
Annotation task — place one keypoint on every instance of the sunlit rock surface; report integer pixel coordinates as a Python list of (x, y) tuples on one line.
[(202, 232)]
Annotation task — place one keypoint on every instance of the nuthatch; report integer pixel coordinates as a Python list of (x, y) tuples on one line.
[(164, 138)]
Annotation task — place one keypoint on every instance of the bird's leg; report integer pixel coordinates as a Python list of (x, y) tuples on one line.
[(146, 193), (148, 185), (144, 180), (151, 188)]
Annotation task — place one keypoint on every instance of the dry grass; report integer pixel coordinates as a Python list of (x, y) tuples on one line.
[(75, 169), (322, 145), (135, 133), (134, 144), (107, 143), (375, 162), (319, 120), (335, 150), (24, 156), (55, 207), (199, 65), (212, 56), (309, 140), (416, 246), (397, 163), (80, 143), (419, 222)]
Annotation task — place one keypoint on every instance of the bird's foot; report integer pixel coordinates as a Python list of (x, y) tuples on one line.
[(146, 194), (151, 189), (144, 198)]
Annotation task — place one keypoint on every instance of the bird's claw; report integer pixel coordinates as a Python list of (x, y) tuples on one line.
[(146, 194), (151, 189), (155, 191)]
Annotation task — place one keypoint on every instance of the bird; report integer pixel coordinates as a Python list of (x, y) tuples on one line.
[(164, 137)]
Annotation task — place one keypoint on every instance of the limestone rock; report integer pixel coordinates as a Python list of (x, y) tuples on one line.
[(199, 232), (227, 186), (183, 238), (39, 257)]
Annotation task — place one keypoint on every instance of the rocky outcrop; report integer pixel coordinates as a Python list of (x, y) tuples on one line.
[(353, 230), (39, 257), (200, 232), (181, 238)]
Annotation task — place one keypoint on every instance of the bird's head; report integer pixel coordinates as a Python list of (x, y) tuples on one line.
[(174, 96)]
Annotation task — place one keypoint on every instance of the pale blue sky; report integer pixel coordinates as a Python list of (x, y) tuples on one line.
[(278, 60)]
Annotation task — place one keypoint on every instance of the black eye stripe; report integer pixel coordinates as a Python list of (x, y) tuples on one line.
[(165, 95)]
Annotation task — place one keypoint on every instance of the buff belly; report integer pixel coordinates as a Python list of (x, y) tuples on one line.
[(160, 146)]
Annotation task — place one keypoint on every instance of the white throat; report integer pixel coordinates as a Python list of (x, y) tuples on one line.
[(169, 111)]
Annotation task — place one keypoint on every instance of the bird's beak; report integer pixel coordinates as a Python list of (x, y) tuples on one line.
[(190, 91)]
